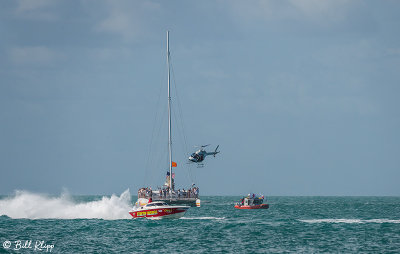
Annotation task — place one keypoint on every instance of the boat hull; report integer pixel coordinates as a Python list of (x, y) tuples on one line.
[(262, 206), (160, 213)]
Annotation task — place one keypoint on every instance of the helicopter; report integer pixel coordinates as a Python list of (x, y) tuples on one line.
[(201, 154)]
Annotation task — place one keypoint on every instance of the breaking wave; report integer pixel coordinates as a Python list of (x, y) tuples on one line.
[(27, 205), (349, 221)]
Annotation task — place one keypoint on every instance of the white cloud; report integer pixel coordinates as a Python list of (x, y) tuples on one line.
[(316, 9), (393, 52), (33, 55), (128, 19), (28, 5), (37, 9), (328, 11), (107, 54)]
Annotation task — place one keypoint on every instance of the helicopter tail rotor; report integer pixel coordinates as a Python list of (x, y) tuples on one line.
[(215, 152)]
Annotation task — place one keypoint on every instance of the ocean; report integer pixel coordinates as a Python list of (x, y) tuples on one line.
[(37, 223)]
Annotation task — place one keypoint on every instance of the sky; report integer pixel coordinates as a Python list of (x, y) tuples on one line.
[(301, 96)]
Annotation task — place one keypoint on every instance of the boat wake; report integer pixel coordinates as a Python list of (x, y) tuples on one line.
[(203, 218), (350, 221), (27, 205)]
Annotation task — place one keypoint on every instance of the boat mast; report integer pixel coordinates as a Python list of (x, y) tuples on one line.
[(169, 121)]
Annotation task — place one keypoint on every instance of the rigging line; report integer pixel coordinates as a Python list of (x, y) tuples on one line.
[(181, 120), (162, 161), (159, 152), (158, 161), (179, 128), (190, 168), (179, 107), (180, 111), (174, 115), (152, 134)]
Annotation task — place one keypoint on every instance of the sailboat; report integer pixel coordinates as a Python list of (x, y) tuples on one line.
[(168, 193)]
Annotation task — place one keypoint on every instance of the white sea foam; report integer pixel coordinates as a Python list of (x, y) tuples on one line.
[(350, 221), (203, 218), (29, 205)]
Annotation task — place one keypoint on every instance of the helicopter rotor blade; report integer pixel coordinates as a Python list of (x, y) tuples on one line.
[(202, 146)]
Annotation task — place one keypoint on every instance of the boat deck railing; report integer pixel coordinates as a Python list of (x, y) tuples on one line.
[(156, 196)]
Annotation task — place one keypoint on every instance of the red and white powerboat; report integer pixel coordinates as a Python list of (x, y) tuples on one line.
[(158, 210)]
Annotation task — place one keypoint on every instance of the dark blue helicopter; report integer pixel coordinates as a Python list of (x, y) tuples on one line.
[(201, 154)]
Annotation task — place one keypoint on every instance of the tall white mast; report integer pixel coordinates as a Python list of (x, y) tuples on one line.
[(169, 121)]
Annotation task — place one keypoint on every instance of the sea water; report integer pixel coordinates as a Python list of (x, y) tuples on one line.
[(32, 223)]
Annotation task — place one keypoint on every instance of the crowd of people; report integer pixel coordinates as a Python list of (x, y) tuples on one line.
[(147, 192), (190, 193)]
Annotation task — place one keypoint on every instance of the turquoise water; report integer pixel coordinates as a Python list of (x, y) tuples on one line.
[(292, 224)]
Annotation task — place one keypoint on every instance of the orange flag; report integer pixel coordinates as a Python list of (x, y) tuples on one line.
[(174, 164)]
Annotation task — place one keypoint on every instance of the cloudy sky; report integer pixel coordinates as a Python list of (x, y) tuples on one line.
[(301, 96)]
